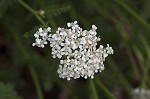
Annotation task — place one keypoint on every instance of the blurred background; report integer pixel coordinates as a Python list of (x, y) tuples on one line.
[(28, 72)]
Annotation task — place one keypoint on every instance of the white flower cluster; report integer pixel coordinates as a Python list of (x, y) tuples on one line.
[(42, 37), (78, 51), (140, 93)]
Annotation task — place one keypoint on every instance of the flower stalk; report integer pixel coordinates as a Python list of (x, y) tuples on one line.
[(21, 2)]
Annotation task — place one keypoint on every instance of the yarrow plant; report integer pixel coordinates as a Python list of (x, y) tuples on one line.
[(76, 48)]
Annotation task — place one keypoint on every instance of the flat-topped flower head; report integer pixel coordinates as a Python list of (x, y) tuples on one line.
[(77, 50)]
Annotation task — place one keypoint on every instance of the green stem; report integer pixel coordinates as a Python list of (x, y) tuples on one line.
[(146, 62), (93, 89), (53, 23), (36, 82), (132, 61), (72, 12), (129, 52), (102, 11), (120, 76), (143, 80), (18, 43), (107, 92), (25, 55), (21, 2), (133, 13)]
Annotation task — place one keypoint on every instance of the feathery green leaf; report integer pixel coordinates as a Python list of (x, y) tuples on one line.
[(7, 92), (56, 10)]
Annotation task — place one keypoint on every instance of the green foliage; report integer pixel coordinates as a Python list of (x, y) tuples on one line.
[(4, 5), (7, 92), (119, 23), (145, 12), (55, 10), (46, 70), (30, 33)]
